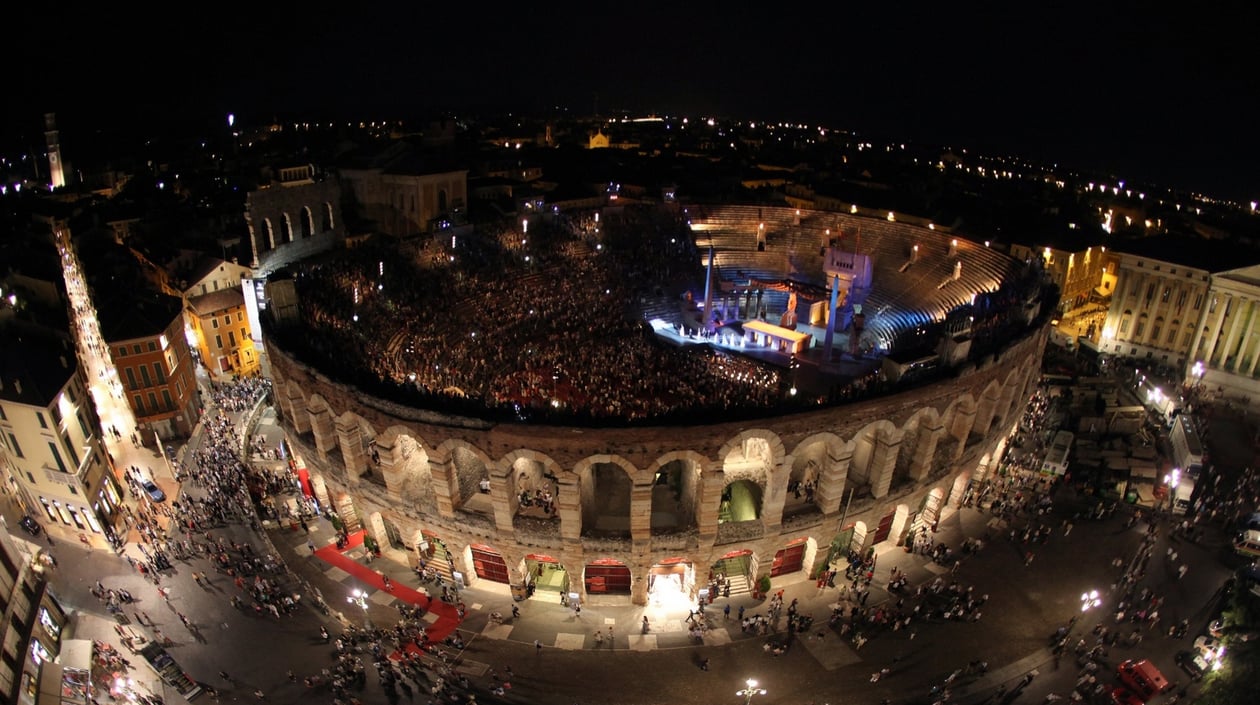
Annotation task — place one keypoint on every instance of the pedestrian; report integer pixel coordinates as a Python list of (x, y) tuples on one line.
[(537, 646), (1028, 558), (516, 611), (704, 664), (388, 586), (740, 616), (726, 612)]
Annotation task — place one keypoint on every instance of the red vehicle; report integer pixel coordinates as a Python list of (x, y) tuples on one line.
[(1143, 678)]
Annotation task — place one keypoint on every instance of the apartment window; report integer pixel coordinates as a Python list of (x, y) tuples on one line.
[(1198, 301), (1212, 306), (1163, 298), (239, 316), (74, 399), (1172, 335), (83, 425), (214, 323), (227, 320), (231, 339), (56, 414), (144, 374), (1155, 333), (216, 284), (157, 371), (131, 378), (153, 401), (1150, 292), (1181, 299), (166, 397), (218, 342), (244, 335), (43, 423), (17, 449), (122, 351), (139, 404), (1137, 330), (74, 457), (136, 348), (2, 416), (152, 346), (61, 465)]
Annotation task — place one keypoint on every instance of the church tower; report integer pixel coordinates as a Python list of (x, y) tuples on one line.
[(56, 173)]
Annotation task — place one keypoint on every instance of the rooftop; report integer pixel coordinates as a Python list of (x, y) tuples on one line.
[(35, 363)]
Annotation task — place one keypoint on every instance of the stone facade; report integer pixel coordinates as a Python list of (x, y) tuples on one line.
[(643, 498)]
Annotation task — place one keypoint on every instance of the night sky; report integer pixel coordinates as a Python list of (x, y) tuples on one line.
[(1163, 97)]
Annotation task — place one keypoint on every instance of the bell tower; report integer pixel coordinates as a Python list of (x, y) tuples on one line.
[(57, 176)]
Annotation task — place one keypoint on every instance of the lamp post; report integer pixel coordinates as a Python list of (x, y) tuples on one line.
[(359, 597), (1090, 600), (749, 691)]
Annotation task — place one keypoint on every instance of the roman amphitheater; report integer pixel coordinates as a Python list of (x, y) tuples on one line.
[(638, 512)]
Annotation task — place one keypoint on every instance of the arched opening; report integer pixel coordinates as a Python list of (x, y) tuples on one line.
[(286, 224), (545, 578), (326, 217), (606, 490), (306, 222), (534, 490), (789, 559), (270, 233), (674, 496), (488, 563), (807, 467), (741, 501), (736, 568), (960, 489), (906, 452), (469, 469), (607, 576), (671, 583), (435, 557), (416, 480)]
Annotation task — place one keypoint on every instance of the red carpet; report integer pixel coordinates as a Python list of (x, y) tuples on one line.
[(447, 616)]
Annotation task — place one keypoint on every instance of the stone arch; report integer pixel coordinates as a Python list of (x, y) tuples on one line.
[(874, 456), (958, 490), (319, 489), (986, 408), (956, 421), (466, 465), (356, 438), (605, 485), (286, 224), (748, 463), (814, 462), (323, 427), (413, 475), (306, 222), (326, 217), (676, 490), (919, 435), (270, 232), (525, 472)]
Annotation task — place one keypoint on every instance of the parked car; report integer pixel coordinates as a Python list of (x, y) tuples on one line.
[(29, 525), (155, 493), (1121, 695), (1193, 663)]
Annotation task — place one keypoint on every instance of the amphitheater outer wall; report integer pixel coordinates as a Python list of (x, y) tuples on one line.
[(881, 468)]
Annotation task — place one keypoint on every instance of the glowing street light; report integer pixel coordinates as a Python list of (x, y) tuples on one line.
[(1090, 600), (359, 597), (749, 691)]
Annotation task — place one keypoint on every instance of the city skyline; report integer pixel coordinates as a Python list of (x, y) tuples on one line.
[(1140, 95)]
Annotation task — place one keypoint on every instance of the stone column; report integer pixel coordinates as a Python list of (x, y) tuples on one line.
[(569, 509), (833, 479), (712, 481), (1216, 329), (883, 463), (575, 571), (442, 475), (964, 421), (297, 406), (1235, 313), (987, 407), (1199, 325), (775, 496), (323, 427), (921, 461), (641, 514), (350, 439)]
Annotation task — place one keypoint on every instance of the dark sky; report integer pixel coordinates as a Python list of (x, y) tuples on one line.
[(1165, 96)]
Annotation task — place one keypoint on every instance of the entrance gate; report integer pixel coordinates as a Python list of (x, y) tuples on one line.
[(545, 575), (885, 526), (607, 577), (789, 559), (489, 564)]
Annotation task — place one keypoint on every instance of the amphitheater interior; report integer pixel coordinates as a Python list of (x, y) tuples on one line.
[(648, 510)]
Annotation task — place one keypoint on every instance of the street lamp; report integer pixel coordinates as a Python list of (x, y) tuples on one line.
[(359, 597), (1089, 600), (748, 692)]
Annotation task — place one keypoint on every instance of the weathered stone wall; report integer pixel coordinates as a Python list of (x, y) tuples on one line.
[(956, 448)]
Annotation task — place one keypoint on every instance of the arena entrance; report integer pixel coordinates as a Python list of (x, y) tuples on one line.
[(789, 559), (607, 576), (736, 569), (433, 551), (885, 526), (670, 583), (545, 575), (488, 563)]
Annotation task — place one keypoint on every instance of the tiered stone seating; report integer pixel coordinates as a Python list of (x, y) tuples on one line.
[(903, 295)]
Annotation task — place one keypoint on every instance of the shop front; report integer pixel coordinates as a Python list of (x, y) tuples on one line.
[(489, 564), (672, 581), (607, 576), (545, 577)]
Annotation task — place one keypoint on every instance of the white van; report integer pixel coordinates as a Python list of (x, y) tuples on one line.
[(1248, 543)]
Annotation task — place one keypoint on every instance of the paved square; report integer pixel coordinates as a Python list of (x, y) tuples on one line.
[(572, 642), (497, 631), (642, 642)]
